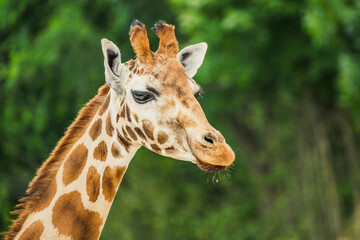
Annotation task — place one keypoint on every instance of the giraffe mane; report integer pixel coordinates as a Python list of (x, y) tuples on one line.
[(48, 170)]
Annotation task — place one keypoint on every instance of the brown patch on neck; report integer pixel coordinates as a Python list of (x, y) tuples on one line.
[(71, 219), (115, 150), (92, 184), (162, 137), (109, 127), (125, 134), (135, 117), (33, 232), (131, 133), (95, 130), (105, 105), (140, 133), (127, 113), (100, 152), (148, 129), (123, 142), (171, 150), (155, 148), (47, 172), (111, 180), (75, 164), (122, 114)]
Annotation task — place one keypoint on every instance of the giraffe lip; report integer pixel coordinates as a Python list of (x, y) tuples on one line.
[(209, 167)]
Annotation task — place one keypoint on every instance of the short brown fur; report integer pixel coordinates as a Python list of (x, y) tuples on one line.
[(47, 196), (168, 44), (140, 43)]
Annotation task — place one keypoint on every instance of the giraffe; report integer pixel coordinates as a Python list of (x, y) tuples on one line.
[(149, 101)]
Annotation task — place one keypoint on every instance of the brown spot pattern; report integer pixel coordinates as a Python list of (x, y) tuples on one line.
[(111, 180), (156, 148), (186, 120), (46, 197), (109, 127), (115, 150), (95, 130), (148, 129), (74, 164), (105, 105), (131, 133), (125, 134), (92, 184), (72, 219), (122, 114), (140, 133), (171, 150), (117, 117), (33, 232), (162, 137), (123, 142), (100, 151), (127, 113), (135, 117)]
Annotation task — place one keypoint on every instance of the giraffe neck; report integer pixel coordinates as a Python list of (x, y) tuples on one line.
[(79, 197)]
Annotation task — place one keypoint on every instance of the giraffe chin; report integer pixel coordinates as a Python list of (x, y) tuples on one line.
[(207, 167)]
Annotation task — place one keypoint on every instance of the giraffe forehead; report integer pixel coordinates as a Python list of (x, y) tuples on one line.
[(167, 77)]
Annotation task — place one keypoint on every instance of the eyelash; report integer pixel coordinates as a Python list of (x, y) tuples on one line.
[(142, 97)]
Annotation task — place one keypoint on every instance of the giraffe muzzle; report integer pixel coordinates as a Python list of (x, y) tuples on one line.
[(211, 151)]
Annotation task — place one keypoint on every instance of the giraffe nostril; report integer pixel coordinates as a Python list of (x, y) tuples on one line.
[(209, 139)]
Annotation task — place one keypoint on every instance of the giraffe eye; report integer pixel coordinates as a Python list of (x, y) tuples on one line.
[(198, 95), (142, 97)]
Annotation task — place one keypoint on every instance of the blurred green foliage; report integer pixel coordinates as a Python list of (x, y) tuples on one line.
[(281, 83)]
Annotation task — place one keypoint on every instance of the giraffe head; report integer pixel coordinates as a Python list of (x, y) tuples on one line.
[(155, 98)]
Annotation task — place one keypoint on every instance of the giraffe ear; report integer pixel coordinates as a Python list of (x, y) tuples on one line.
[(112, 64), (191, 57)]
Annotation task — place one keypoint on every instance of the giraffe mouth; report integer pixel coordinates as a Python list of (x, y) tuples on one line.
[(207, 167)]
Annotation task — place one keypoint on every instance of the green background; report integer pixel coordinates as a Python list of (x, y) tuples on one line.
[(281, 82)]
